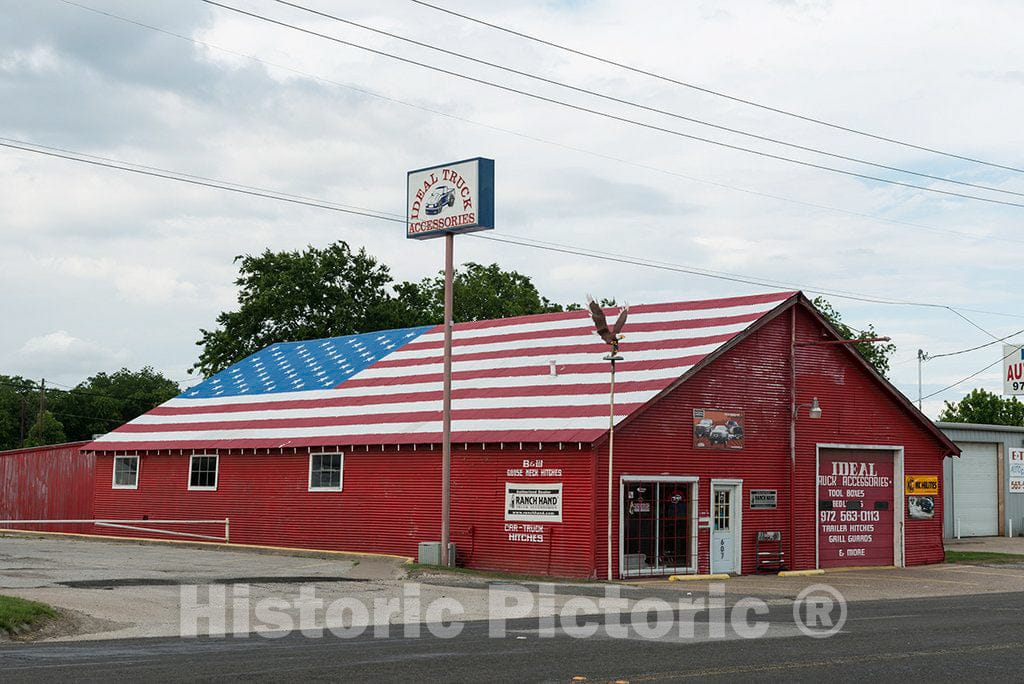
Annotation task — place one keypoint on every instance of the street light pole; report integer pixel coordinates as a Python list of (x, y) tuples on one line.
[(610, 335), (613, 357)]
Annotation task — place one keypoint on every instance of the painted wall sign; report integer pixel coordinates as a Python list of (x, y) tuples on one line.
[(921, 484), (533, 502), (717, 429), (450, 198), (855, 516), (1016, 470), (921, 507), (533, 468), (525, 532), (1013, 369), (764, 499)]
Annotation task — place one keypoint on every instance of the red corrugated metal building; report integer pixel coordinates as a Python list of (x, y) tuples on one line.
[(716, 455), (53, 482)]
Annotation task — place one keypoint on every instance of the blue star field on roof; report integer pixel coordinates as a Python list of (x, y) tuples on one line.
[(303, 366)]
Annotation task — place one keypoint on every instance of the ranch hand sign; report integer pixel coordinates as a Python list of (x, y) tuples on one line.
[(533, 502)]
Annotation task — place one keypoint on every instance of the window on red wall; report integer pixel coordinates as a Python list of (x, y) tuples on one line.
[(126, 472), (325, 472), (203, 472)]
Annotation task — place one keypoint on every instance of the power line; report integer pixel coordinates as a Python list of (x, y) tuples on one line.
[(536, 244), (722, 275), (632, 103), (518, 134), (170, 175), (75, 415), (929, 357), (716, 93), (608, 115), (971, 376)]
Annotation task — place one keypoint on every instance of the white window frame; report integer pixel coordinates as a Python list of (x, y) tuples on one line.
[(138, 473), (216, 473), (341, 472)]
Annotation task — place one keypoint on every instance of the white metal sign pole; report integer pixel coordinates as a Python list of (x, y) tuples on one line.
[(446, 397)]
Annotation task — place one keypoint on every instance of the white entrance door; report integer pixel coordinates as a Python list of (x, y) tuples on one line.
[(724, 528)]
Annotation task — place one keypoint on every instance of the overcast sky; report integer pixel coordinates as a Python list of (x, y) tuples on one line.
[(103, 269)]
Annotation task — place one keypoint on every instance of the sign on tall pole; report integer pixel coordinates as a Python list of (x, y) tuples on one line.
[(1013, 369), (447, 200)]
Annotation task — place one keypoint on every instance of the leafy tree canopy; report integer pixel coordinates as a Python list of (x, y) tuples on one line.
[(334, 291), (876, 353), (46, 430), (984, 408), (95, 406)]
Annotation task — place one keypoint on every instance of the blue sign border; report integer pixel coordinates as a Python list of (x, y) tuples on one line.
[(485, 199)]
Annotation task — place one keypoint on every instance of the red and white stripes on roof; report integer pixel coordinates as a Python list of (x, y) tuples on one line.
[(534, 378)]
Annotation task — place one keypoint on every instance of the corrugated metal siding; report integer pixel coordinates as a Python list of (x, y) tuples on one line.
[(858, 410), (390, 503), (1010, 437), (751, 378), (754, 377), (47, 483), (478, 519)]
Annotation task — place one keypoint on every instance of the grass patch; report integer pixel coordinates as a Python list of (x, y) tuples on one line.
[(982, 557), (421, 568), (16, 613)]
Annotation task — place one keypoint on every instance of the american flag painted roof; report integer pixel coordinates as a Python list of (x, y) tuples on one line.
[(531, 378)]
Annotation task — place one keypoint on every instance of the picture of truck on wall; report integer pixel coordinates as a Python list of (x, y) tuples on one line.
[(717, 429)]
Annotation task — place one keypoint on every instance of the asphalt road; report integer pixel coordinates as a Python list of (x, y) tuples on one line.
[(914, 640)]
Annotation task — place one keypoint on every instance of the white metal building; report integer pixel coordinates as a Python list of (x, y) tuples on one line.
[(978, 493)]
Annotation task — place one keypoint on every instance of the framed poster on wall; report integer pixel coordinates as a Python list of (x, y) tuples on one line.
[(717, 429)]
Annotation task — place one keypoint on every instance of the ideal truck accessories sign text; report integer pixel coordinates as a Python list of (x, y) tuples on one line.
[(451, 198)]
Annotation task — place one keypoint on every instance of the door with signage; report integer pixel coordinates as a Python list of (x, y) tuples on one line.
[(724, 528), (656, 520), (855, 507)]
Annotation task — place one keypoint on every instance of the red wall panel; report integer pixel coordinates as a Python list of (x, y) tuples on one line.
[(390, 503), (754, 378), (47, 483), (391, 498)]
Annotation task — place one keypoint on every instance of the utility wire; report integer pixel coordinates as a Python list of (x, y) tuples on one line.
[(632, 103), (929, 357), (174, 176), (716, 93), (971, 376), (536, 244), (183, 175), (518, 134), (722, 275), (608, 115)]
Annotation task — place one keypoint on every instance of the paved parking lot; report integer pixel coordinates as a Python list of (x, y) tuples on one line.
[(116, 589)]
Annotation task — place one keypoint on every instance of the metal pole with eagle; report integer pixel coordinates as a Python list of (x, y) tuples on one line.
[(612, 337)]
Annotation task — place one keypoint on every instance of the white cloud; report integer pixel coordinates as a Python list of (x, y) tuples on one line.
[(140, 264)]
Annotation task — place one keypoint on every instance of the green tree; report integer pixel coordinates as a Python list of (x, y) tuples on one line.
[(298, 296), (984, 408), (334, 291), (19, 404), (46, 430), (102, 402), (480, 292), (876, 353)]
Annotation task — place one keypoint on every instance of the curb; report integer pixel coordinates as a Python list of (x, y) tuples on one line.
[(283, 550), (800, 573), (684, 578)]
